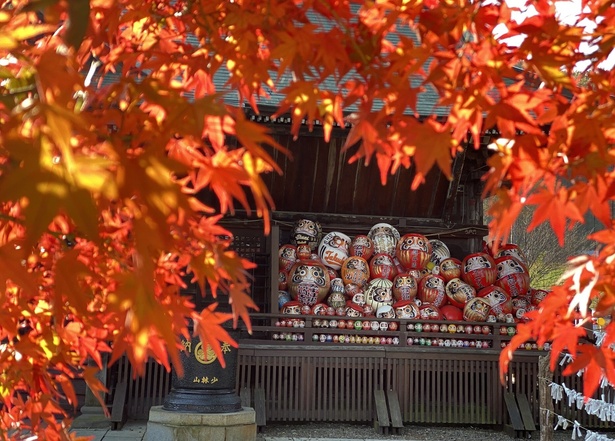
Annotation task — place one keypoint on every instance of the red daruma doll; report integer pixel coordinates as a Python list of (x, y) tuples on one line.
[(308, 282), (404, 287), (479, 270), (382, 265), (512, 276), (362, 246), (432, 290), (413, 251)]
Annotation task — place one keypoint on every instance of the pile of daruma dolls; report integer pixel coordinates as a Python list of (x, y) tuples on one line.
[(383, 274)]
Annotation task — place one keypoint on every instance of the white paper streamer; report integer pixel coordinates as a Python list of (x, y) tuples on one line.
[(591, 436), (561, 422), (567, 358), (599, 336), (576, 430), (556, 392)]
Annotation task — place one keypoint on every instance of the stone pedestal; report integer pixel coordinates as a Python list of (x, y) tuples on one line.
[(164, 425)]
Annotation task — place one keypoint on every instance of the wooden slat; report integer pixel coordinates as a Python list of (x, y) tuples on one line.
[(513, 411), (394, 409), (260, 407), (381, 415), (526, 413)]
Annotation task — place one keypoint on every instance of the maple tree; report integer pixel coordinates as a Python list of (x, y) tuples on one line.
[(100, 218)]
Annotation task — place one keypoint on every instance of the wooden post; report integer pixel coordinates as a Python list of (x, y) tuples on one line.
[(545, 376)]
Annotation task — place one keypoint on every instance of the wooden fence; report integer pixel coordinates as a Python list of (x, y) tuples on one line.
[(309, 381)]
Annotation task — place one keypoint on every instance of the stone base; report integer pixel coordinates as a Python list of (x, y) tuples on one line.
[(164, 425)]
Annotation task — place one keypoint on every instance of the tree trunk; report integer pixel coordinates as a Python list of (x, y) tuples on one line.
[(545, 376)]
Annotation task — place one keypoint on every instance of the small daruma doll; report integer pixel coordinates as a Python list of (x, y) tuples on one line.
[(292, 307), (362, 246), (406, 309), (306, 231), (537, 295), (476, 310), (459, 292), (413, 251), (404, 287), (384, 237), (308, 282), (512, 276), (439, 251), (499, 300), (430, 312), (287, 257), (479, 270), (450, 268), (355, 270), (379, 292)]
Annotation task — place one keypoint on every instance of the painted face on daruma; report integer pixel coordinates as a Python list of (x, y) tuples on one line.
[(479, 270), (404, 287), (431, 290), (308, 282), (512, 276), (382, 265), (514, 251), (413, 251), (406, 309), (476, 310), (287, 256), (450, 268), (355, 270), (293, 307), (459, 292), (306, 231)]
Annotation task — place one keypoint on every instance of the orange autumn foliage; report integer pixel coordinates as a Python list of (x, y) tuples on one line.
[(100, 222)]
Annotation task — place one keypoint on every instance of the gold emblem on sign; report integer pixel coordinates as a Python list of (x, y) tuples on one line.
[(204, 357)]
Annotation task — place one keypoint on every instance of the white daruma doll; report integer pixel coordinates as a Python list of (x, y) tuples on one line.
[(306, 231), (308, 282), (384, 237), (379, 292), (413, 251), (333, 249), (439, 251), (479, 270)]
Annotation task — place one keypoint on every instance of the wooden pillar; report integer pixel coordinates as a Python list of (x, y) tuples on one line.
[(545, 376), (273, 245)]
